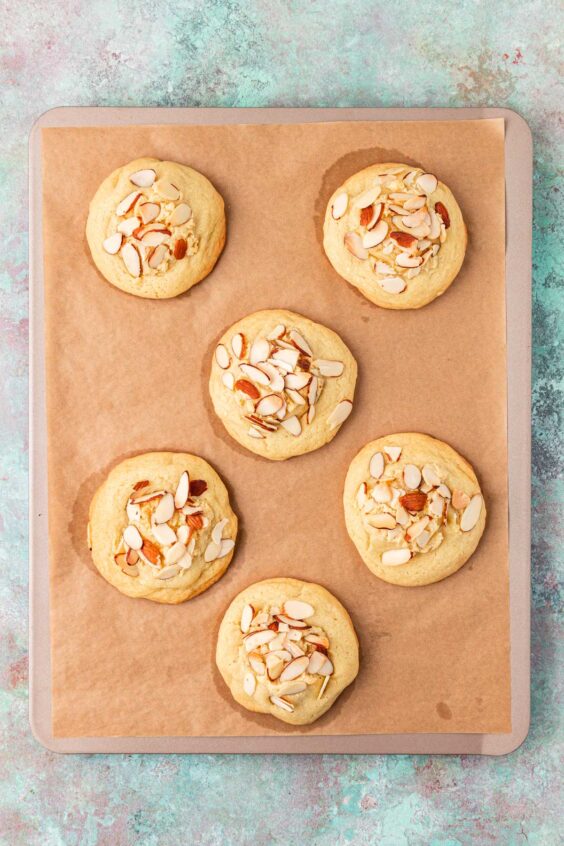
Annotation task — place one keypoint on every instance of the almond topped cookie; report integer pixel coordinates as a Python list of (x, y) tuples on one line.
[(396, 233), (281, 384), (155, 228), (161, 527), (413, 508), (287, 648)]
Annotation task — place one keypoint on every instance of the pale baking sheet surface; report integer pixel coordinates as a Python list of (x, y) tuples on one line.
[(126, 375)]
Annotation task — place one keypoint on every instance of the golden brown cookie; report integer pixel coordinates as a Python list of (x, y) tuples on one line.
[(413, 508), (287, 648), (281, 384), (155, 228), (395, 233), (161, 527)]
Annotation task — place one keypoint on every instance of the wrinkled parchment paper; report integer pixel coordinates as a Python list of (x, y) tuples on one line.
[(127, 375)]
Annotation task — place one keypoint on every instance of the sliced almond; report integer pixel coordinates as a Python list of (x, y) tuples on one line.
[(127, 203), (175, 553), (381, 493), (132, 537), (226, 546), (312, 390), (329, 368), (367, 197), (211, 552), (298, 610), (257, 663), (296, 398), (143, 178), (416, 528), (340, 204), (168, 572), (149, 212), (293, 688), (289, 357), (269, 404), (440, 208), (431, 476), (427, 182), (376, 465), (131, 259), (112, 244), (392, 284), (278, 332), (181, 214), (165, 509), (163, 534), (444, 491), (384, 269), (183, 534), (254, 373), (316, 662), (392, 452), (182, 490), (353, 243), (435, 226), (249, 684), (339, 414), (361, 495), (154, 239), (295, 668), (326, 669), (414, 203), (415, 219), (180, 247), (411, 476), (238, 345), (460, 499), (382, 521), (375, 236), (404, 260), (252, 641), (394, 557), (437, 505), (402, 517), (128, 226), (292, 425), (300, 342), (297, 381), (471, 513), (281, 703), (222, 356), (423, 539), (275, 378), (247, 615), (158, 255), (260, 350), (167, 190)]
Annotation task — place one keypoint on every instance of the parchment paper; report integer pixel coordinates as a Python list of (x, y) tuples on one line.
[(126, 375)]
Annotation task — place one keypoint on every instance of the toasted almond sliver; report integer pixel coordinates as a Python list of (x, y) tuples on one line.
[(415, 219), (376, 465), (404, 260), (277, 332), (158, 255), (281, 703), (327, 669), (392, 284), (163, 534), (143, 178), (382, 521), (260, 350), (375, 236), (416, 528), (254, 373), (297, 381), (444, 491), (238, 345), (292, 425), (168, 572), (181, 214), (182, 490), (249, 684), (471, 513), (353, 243), (298, 610), (165, 509), (340, 204), (127, 203), (300, 342), (174, 553), (131, 259), (132, 537), (411, 476), (367, 197), (154, 239), (294, 669), (212, 552), (128, 226), (113, 243), (361, 495), (427, 182), (148, 212), (329, 368), (316, 662), (269, 404), (392, 452), (252, 641), (222, 356), (293, 688), (431, 476), (395, 557), (339, 414), (247, 615), (167, 190)]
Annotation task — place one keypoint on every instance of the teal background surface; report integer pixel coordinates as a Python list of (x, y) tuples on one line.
[(283, 53)]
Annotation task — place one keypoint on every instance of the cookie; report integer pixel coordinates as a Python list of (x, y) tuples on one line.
[(287, 648), (395, 233), (281, 384), (413, 508), (155, 228), (161, 527)]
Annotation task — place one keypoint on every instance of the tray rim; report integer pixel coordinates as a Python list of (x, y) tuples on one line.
[(518, 170)]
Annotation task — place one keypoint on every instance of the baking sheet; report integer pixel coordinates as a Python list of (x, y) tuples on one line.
[(423, 650)]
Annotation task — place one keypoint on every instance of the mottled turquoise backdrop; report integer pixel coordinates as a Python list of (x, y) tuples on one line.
[(282, 53)]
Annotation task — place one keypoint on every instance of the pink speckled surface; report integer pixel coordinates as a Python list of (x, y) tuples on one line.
[(266, 53)]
